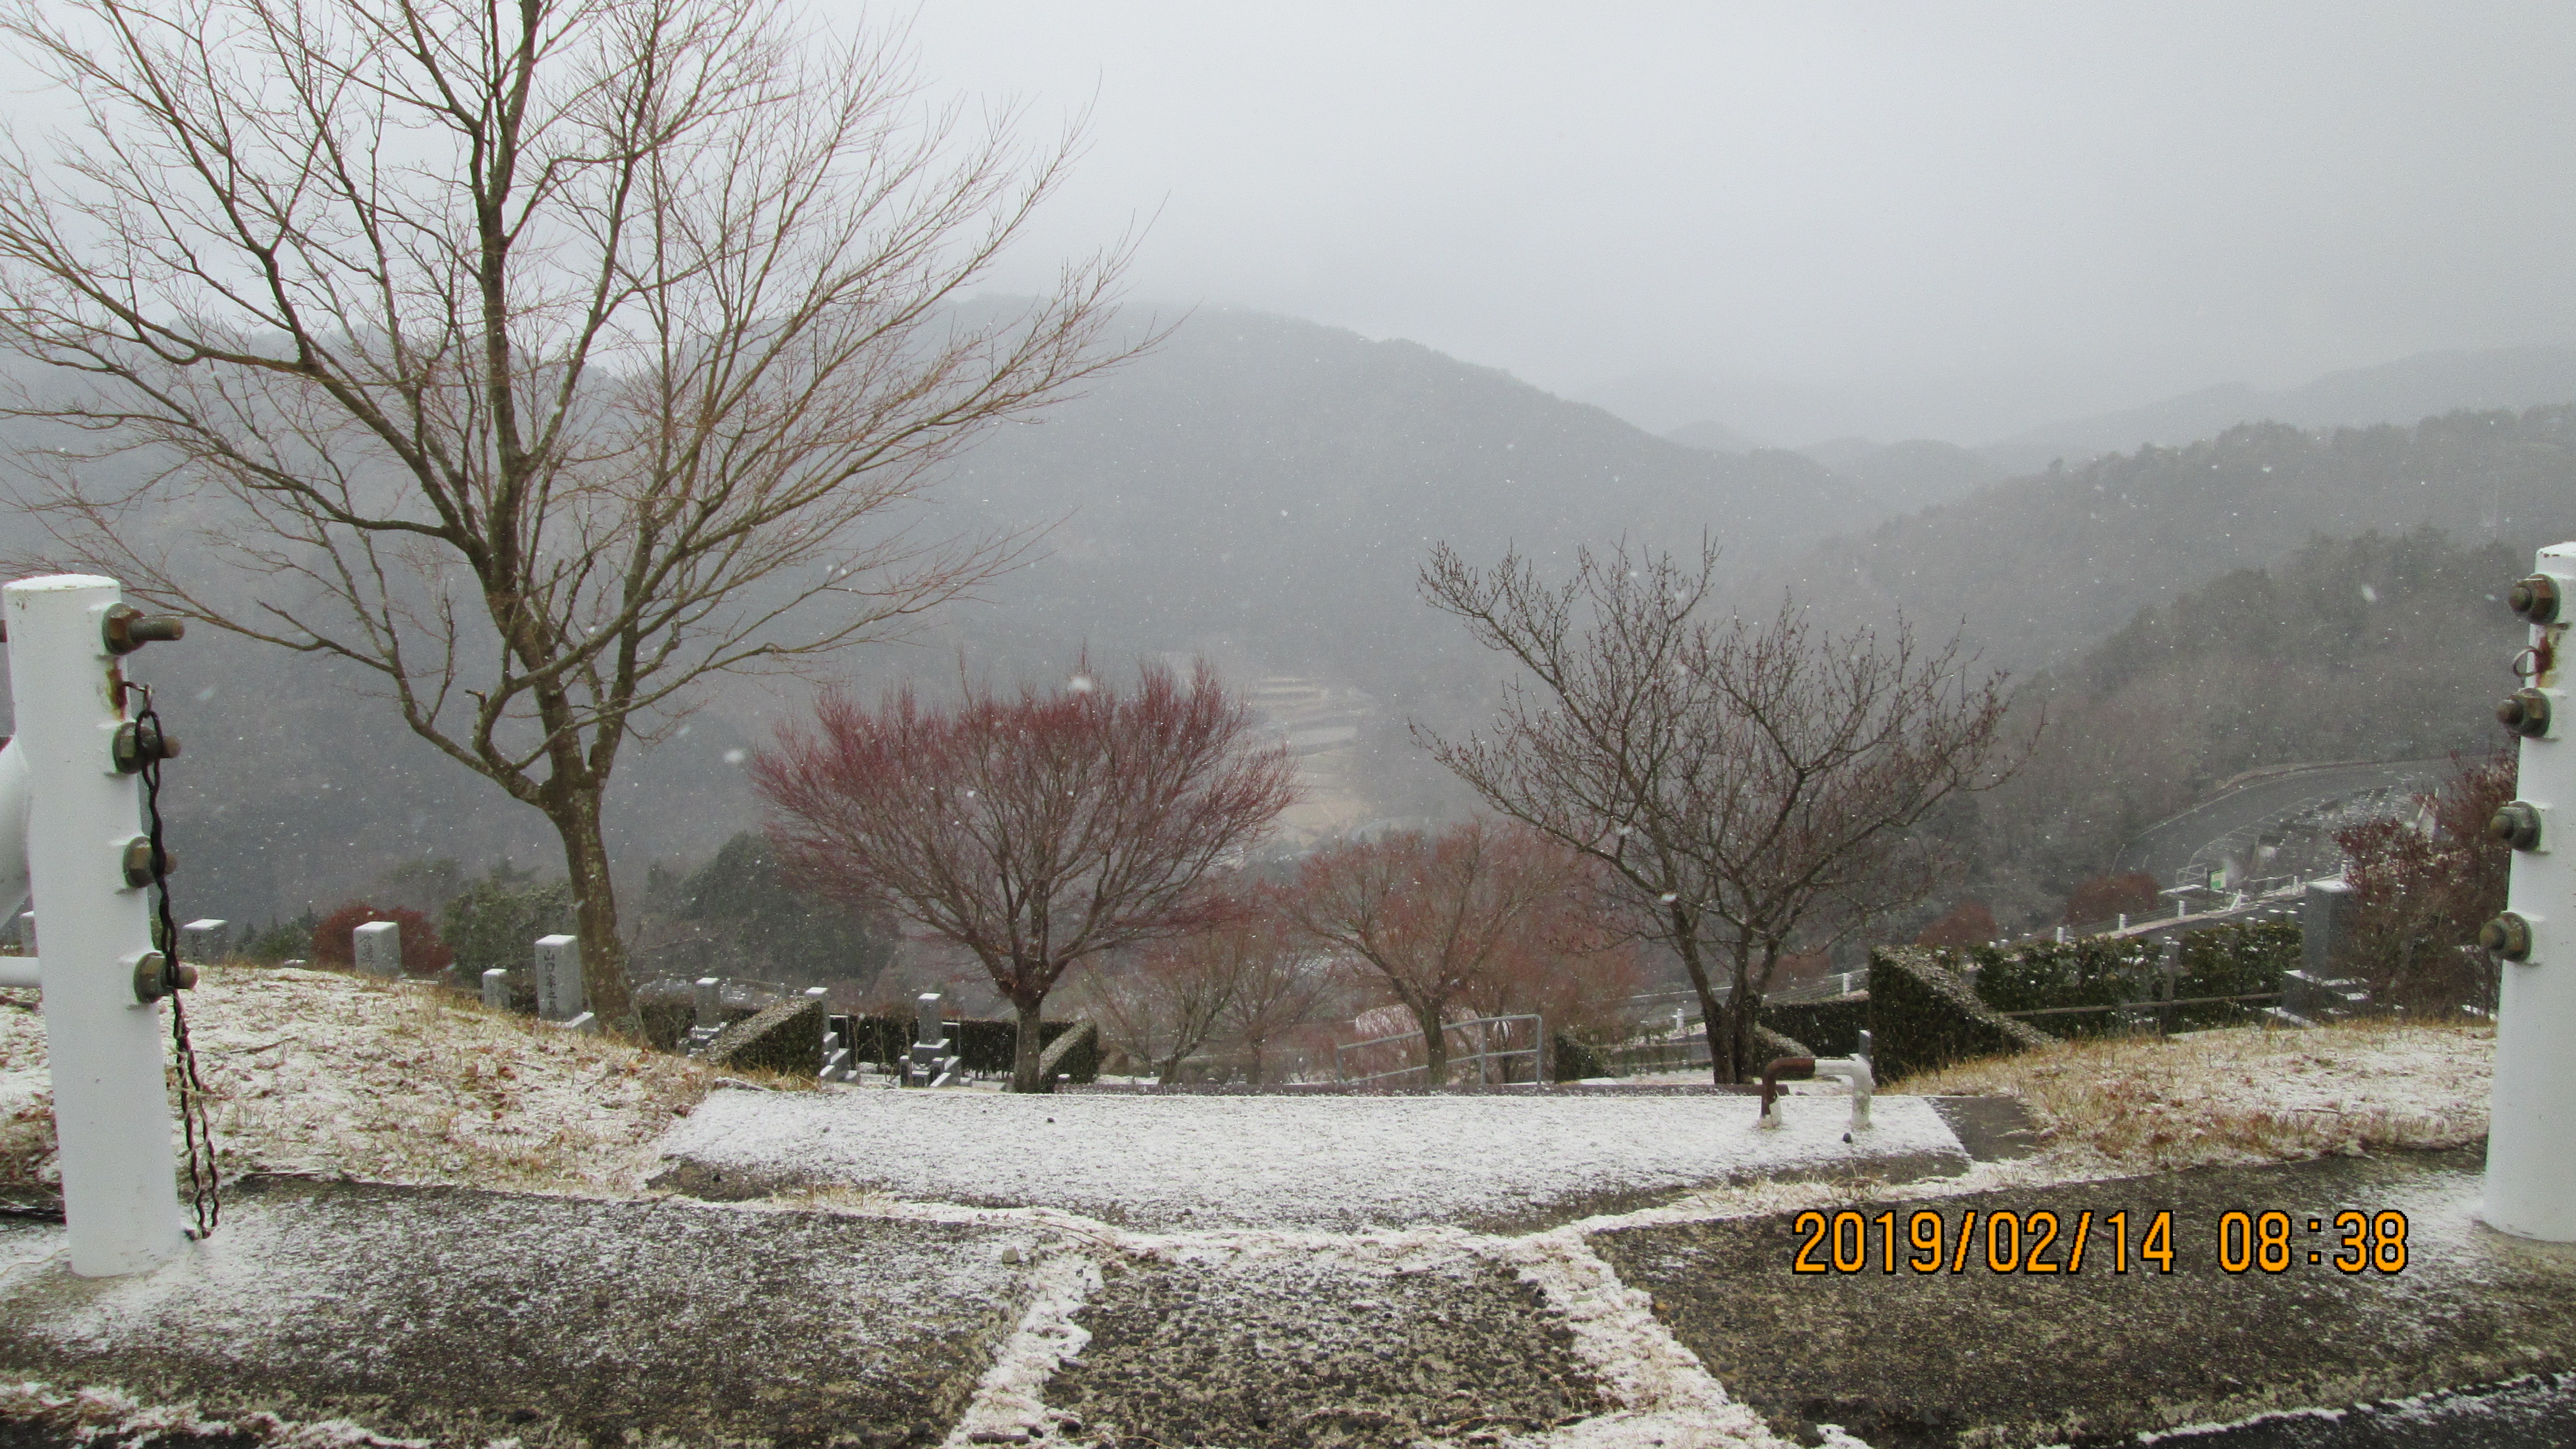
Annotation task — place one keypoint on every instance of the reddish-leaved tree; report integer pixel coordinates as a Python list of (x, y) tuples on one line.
[(1160, 1005), (2421, 888), (1432, 915), (2109, 897), (1032, 831), (1281, 985), (423, 953), (1969, 923)]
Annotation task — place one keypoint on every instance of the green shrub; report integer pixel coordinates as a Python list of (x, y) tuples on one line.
[(2234, 961), (1575, 1060), (1923, 1017), (1828, 1028), (495, 922), (2093, 971)]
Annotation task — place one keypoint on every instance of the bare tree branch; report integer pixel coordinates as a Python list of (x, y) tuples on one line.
[(542, 360), (1749, 790)]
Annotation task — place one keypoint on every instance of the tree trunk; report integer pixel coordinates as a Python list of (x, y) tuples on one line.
[(1743, 1013), (603, 951), (1435, 1044), (1025, 1076), (1714, 1024), (1254, 1044)]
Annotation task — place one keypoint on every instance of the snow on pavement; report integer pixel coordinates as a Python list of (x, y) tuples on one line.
[(1330, 1163)]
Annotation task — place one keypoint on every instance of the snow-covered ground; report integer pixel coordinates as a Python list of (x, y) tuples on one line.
[(323, 1072), (1285, 1161), (328, 1073), (2243, 1095)]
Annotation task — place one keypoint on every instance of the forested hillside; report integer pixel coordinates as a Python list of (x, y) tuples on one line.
[(2041, 567), (2381, 647), (2424, 385), (1263, 489), (1257, 490)]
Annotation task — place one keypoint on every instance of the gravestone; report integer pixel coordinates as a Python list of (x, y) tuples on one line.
[(2318, 991), (932, 1063), (496, 989), (376, 949), (557, 967)]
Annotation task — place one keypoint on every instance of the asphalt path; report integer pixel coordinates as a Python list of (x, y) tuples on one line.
[(2163, 849), (2111, 1347)]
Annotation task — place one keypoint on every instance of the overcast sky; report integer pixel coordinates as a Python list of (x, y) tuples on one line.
[(1948, 219)]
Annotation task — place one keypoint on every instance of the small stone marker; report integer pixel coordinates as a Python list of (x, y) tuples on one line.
[(496, 989), (376, 948), (710, 1001), (204, 940), (558, 972)]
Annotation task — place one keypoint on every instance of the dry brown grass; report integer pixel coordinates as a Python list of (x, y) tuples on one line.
[(2245, 1095), (338, 1075)]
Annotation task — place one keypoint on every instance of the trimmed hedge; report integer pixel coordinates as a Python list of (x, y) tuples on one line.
[(667, 1019), (1831, 1027), (1923, 1017), (1572, 1061), (784, 1036), (1769, 1046), (1074, 1055), (2234, 961), (2095, 971)]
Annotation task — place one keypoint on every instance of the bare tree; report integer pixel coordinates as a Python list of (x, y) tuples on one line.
[(542, 359), (1750, 789), (1281, 985), (1429, 914), (1033, 832), (1163, 1004), (2422, 886)]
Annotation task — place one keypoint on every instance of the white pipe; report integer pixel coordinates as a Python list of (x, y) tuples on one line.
[(1855, 1072), (111, 1108), (14, 802), (2531, 1140)]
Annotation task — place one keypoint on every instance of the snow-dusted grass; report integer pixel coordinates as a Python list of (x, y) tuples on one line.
[(1282, 1161), (2243, 1095), (319, 1072)]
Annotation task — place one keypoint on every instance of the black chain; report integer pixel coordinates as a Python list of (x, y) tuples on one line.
[(197, 1124)]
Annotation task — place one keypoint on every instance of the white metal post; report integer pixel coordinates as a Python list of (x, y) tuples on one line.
[(111, 1111), (2531, 1141)]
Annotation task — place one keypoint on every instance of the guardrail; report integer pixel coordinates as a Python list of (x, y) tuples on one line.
[(1485, 1055)]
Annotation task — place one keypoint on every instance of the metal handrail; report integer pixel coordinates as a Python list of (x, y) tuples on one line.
[(1489, 1053), (2145, 1005)]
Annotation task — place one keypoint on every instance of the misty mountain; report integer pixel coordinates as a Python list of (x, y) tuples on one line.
[(2380, 647), (1909, 476), (2420, 386), (2040, 567), (1713, 437), (1257, 490), (1264, 490)]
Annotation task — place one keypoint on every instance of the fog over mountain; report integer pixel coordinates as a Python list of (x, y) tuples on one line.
[(2039, 567), (2396, 392), (1260, 491)]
